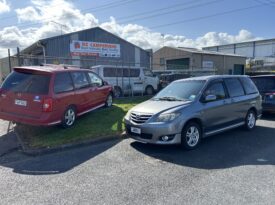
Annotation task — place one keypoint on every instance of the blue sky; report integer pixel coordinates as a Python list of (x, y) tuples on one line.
[(257, 20), (238, 26)]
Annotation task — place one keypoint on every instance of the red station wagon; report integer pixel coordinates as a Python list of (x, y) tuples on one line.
[(49, 95)]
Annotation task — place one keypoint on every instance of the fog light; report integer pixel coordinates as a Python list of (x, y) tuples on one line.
[(165, 138)]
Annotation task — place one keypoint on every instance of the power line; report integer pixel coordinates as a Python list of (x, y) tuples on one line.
[(99, 8), (113, 5), (266, 3), (206, 17), (140, 14), (176, 10), (156, 10), (14, 16)]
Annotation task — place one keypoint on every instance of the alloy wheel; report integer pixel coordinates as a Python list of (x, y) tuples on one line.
[(192, 136), (69, 117), (251, 120)]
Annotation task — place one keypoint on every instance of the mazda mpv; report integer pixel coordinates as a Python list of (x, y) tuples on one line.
[(49, 95), (187, 110)]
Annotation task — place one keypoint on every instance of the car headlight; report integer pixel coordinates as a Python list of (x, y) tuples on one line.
[(167, 117)]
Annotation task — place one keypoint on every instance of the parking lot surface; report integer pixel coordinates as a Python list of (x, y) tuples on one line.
[(236, 167)]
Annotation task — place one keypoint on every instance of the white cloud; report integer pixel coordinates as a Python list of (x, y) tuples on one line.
[(4, 6), (43, 12)]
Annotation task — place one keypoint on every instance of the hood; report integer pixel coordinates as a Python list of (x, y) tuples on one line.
[(154, 106)]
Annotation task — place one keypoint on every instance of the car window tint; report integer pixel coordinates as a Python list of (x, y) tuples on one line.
[(234, 87), (27, 83), (134, 72), (63, 83), (126, 72), (80, 80), (95, 80), (264, 83), (249, 86), (112, 72), (216, 89)]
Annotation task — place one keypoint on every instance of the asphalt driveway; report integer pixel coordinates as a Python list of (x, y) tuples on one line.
[(8, 139), (236, 167)]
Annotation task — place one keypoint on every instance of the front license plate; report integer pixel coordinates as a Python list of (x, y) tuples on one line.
[(20, 102), (136, 130)]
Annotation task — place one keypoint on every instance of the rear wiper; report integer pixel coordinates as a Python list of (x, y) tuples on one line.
[(169, 99)]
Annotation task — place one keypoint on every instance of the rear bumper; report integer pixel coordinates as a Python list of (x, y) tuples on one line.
[(268, 107), (44, 120)]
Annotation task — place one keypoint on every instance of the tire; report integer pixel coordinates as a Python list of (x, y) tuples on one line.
[(117, 92), (149, 90), (191, 136), (69, 117), (109, 100), (250, 120)]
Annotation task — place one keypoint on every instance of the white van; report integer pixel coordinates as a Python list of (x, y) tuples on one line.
[(128, 80)]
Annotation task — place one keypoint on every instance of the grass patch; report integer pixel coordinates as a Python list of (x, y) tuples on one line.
[(104, 122)]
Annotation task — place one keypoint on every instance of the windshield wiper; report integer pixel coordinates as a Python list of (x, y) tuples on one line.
[(168, 99)]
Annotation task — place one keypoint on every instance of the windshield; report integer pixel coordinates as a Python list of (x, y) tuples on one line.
[(27, 83), (265, 83), (182, 90)]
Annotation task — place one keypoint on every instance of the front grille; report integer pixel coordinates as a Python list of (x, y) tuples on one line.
[(140, 118)]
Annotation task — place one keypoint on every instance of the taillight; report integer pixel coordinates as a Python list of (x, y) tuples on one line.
[(47, 105)]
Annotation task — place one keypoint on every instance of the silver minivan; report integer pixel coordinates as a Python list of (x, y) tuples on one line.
[(187, 110)]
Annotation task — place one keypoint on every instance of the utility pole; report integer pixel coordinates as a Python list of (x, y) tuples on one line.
[(18, 56), (9, 60)]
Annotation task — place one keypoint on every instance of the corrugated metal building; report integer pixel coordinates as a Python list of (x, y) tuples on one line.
[(86, 48), (197, 61), (260, 53)]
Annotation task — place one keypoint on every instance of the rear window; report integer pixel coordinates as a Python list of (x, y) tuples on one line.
[(27, 83), (264, 83), (249, 86), (234, 87)]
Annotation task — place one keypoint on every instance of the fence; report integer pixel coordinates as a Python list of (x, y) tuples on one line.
[(127, 78)]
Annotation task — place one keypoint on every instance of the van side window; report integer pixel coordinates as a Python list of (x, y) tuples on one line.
[(249, 86), (95, 80), (148, 73), (63, 83), (126, 72), (134, 72), (216, 89), (112, 72), (234, 87), (80, 80)]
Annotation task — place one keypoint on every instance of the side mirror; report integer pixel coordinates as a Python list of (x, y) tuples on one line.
[(210, 98)]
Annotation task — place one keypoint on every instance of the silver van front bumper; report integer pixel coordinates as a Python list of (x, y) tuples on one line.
[(154, 132)]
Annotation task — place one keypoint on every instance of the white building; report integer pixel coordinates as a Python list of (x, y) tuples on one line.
[(260, 54)]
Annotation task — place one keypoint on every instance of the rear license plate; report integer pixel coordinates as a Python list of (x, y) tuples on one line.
[(136, 130), (20, 102)]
